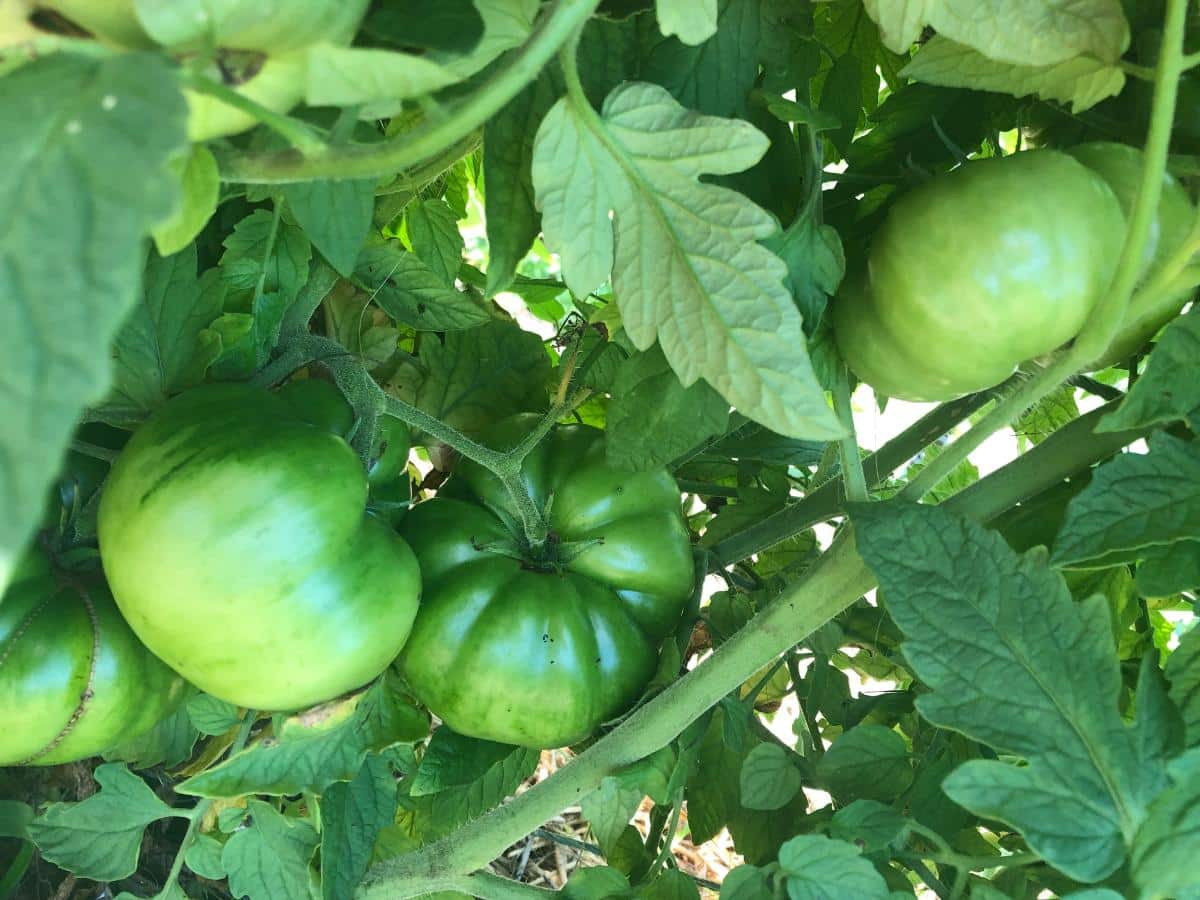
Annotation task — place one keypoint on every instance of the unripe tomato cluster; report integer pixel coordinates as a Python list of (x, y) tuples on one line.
[(251, 554), (999, 262)]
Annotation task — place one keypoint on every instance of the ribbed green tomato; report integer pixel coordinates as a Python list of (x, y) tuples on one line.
[(540, 653), (1121, 166), (74, 681), (235, 539), (977, 271)]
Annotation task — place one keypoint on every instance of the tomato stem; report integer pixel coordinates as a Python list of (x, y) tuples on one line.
[(852, 468), (195, 815), (1106, 318), (295, 132), (414, 147)]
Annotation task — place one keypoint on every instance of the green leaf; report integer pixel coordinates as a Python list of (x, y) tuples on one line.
[(672, 884), (246, 339), (431, 816), (210, 715), (477, 377), (454, 760), (14, 819), (690, 21), (1045, 417), (1000, 643), (1032, 32), (685, 263), (100, 837), (1169, 570), (451, 27), (352, 816), (653, 418), (350, 76), (1136, 501), (842, 98), (1169, 389), (162, 348), (595, 883), (200, 183), (253, 257), (746, 883), (868, 761), (815, 264), (1082, 81), (608, 810), (433, 231), (512, 220), (1163, 857), (168, 743), (315, 748), (335, 215), (360, 326), (84, 175), (1183, 672), (769, 778), (868, 824), (204, 857), (411, 292), (818, 867), (268, 858)]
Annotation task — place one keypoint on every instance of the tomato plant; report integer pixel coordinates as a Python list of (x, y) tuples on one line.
[(609, 448), (316, 596)]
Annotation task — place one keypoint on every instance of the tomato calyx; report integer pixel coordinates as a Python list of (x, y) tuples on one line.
[(554, 556)]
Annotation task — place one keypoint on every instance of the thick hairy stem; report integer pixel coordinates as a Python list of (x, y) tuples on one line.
[(852, 468), (826, 501), (295, 132), (837, 580), (425, 142)]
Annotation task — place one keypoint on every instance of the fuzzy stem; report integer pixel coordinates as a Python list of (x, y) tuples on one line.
[(425, 142)]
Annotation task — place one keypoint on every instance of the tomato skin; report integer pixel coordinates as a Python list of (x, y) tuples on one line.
[(977, 271), (74, 680), (506, 652), (322, 404), (1121, 167), (235, 539), (278, 85)]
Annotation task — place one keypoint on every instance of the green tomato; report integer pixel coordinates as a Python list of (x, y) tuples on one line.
[(321, 404), (1121, 166), (112, 22), (278, 85), (977, 271), (539, 652), (236, 543), (265, 27), (74, 681)]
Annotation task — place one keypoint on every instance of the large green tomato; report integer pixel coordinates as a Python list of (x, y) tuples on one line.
[(1121, 166), (977, 271), (236, 543), (540, 652), (74, 681)]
